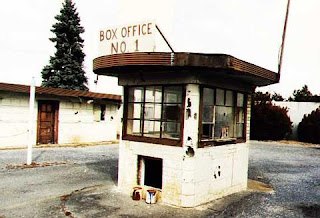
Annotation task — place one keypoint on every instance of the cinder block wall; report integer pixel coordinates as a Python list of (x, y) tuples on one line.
[(171, 173), (248, 117), (212, 173), (77, 123), (14, 115), (217, 172)]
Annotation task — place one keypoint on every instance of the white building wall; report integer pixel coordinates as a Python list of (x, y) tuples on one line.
[(296, 111), (212, 173), (14, 115), (249, 102), (76, 122), (191, 121)]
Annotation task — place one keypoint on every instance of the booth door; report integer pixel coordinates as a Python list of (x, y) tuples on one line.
[(47, 122)]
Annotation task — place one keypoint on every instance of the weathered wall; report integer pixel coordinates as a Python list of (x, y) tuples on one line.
[(249, 101), (188, 181), (14, 115), (296, 111), (212, 173), (77, 121)]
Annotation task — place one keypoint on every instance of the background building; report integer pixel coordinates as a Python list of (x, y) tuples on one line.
[(60, 116)]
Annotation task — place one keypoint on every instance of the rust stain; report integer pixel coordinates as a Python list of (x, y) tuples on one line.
[(259, 186)]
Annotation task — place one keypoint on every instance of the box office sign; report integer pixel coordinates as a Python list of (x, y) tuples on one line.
[(127, 39)]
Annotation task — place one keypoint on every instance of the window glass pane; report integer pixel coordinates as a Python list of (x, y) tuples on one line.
[(240, 115), (135, 110), (224, 123), (171, 130), (103, 112), (146, 102), (208, 96), (136, 94), (172, 112), (152, 111), (154, 94), (229, 98), (151, 129), (173, 94), (208, 114), (240, 100), (220, 97), (239, 130), (224, 119), (207, 130), (134, 127)]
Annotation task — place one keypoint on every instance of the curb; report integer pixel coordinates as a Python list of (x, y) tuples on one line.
[(67, 145), (285, 143)]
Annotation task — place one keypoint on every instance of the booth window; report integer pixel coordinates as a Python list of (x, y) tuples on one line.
[(99, 112), (102, 112), (154, 111), (223, 115)]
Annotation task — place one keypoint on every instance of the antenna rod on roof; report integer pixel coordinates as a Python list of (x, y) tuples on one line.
[(165, 39), (283, 40)]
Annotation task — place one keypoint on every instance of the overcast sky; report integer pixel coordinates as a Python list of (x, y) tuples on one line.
[(247, 29)]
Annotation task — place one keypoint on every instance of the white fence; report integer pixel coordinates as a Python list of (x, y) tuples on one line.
[(296, 111)]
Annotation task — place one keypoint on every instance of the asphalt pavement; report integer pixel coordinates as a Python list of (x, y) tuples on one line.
[(82, 182), (35, 192)]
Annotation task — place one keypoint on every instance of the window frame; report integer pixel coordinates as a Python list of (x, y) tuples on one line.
[(103, 110), (142, 137), (215, 142), (99, 111)]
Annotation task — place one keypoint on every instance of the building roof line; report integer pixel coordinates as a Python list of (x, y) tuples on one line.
[(58, 92)]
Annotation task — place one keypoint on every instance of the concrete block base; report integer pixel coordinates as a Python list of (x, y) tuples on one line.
[(213, 172)]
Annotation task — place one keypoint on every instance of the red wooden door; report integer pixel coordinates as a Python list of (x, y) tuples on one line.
[(47, 122)]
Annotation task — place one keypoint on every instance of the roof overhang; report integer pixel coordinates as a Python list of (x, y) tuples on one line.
[(210, 64), (58, 92)]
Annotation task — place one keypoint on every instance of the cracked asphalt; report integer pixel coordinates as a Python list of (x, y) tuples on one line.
[(81, 182), (35, 192)]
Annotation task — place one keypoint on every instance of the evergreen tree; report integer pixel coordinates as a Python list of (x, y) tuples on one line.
[(302, 95), (260, 97), (277, 97), (65, 68)]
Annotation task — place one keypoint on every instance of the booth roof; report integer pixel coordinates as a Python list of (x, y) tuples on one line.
[(113, 65)]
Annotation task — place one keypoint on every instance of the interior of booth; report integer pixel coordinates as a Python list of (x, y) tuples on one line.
[(157, 112)]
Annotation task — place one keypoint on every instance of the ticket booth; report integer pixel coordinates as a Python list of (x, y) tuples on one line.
[(186, 122)]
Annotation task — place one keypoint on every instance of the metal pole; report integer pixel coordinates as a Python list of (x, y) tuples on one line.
[(165, 39), (30, 126), (120, 162), (283, 40), (121, 117)]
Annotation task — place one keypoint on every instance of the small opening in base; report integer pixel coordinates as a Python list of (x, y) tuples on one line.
[(150, 170)]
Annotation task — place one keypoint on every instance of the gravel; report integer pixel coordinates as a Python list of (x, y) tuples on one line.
[(293, 172)]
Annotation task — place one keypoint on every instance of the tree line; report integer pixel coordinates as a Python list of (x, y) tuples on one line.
[(298, 95), (271, 122)]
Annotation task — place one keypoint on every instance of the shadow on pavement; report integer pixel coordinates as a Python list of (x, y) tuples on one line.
[(108, 167), (38, 156)]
